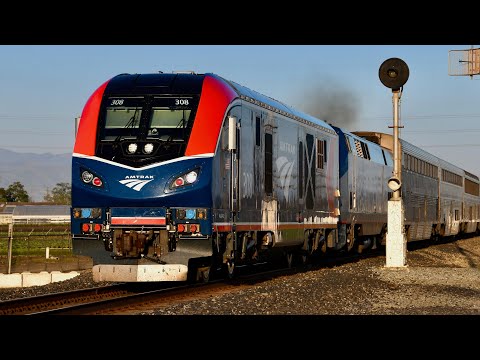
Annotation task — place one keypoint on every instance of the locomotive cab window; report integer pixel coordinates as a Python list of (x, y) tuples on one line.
[(170, 117), (122, 118), (166, 118)]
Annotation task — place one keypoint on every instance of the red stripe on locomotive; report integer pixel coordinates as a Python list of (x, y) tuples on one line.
[(87, 129), (138, 221), (216, 96)]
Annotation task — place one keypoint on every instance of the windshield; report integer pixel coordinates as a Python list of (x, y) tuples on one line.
[(122, 118), (164, 123)]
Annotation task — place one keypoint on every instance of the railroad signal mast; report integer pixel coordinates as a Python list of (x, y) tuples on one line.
[(464, 62), (393, 73)]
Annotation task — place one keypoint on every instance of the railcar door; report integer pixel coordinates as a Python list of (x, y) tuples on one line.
[(234, 201)]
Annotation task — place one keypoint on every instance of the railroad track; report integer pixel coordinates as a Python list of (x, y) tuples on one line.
[(135, 298)]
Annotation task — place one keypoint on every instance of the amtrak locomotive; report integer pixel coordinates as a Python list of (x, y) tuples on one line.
[(175, 174)]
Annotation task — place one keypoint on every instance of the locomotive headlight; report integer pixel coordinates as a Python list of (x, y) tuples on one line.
[(191, 177), (87, 177), (148, 148), (132, 148), (185, 179), (90, 178)]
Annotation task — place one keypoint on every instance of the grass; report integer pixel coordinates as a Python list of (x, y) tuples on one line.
[(32, 240)]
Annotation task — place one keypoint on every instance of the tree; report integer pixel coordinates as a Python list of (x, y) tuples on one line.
[(60, 194), (16, 193), (3, 194)]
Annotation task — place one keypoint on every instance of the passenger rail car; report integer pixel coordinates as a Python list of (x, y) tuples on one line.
[(175, 174), (440, 199)]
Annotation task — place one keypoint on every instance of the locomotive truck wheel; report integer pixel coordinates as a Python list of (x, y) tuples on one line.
[(323, 246), (306, 254), (304, 259), (203, 274), (289, 256), (350, 244), (231, 269)]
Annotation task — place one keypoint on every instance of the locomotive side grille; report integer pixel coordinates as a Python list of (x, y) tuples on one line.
[(358, 146)]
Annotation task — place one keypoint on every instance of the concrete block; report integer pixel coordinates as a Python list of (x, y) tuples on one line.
[(10, 280), (61, 276), (140, 273), (36, 279)]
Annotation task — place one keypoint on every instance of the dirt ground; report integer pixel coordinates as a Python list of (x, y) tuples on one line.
[(441, 279)]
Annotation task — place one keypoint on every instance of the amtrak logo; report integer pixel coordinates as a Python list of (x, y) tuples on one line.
[(285, 167), (136, 182)]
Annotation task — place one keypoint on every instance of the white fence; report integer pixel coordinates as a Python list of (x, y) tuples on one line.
[(33, 219)]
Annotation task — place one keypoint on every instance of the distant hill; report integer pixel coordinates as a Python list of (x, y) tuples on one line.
[(37, 172)]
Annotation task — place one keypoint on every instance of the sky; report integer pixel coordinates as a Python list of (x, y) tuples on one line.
[(44, 87)]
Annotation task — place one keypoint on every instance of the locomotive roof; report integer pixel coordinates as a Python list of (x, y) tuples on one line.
[(386, 140), (274, 105), (182, 83)]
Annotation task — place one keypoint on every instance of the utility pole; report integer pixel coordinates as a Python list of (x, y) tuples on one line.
[(393, 73)]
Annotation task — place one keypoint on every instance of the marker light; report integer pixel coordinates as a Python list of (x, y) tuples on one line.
[(181, 228), (185, 179), (190, 214), (180, 214), (97, 182), (90, 178), (86, 212), (201, 214)]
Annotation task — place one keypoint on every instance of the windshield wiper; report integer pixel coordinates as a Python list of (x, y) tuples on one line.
[(130, 123)]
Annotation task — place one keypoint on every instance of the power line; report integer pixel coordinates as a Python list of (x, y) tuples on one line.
[(420, 117), (453, 145), (34, 132)]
